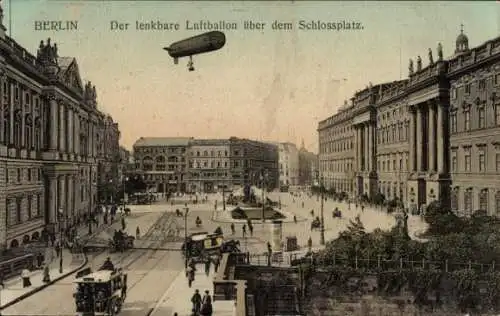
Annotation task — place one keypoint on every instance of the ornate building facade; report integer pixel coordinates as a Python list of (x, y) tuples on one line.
[(163, 162), (209, 165), (49, 135), (308, 165), (288, 164), (203, 165), (433, 136)]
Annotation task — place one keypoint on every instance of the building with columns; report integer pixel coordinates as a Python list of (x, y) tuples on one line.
[(163, 162), (209, 165), (49, 135), (431, 137)]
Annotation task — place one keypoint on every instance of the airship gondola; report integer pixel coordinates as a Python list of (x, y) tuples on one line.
[(204, 43)]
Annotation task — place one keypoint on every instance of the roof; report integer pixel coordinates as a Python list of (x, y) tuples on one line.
[(162, 141), (98, 276), (64, 62)]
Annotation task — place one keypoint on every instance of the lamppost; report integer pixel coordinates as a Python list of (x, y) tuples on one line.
[(224, 194), (186, 211), (322, 227), (263, 187), (60, 219), (125, 180)]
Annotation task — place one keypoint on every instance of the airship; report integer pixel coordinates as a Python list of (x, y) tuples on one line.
[(199, 44)]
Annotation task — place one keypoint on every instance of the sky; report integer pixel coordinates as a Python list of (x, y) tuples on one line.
[(272, 85)]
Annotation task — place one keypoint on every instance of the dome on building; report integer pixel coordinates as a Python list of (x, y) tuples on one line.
[(462, 42)]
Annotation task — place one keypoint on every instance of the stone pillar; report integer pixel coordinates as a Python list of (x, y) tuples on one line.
[(22, 100), (52, 198), (70, 132), (3, 78), (419, 140), (432, 138), (366, 149), (370, 147), (412, 154), (76, 136), (33, 125), (358, 151), (62, 196), (440, 134), (11, 113), (54, 126), (70, 199), (62, 132)]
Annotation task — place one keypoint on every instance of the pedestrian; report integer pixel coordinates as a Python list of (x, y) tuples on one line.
[(206, 304), (190, 275), (309, 243), (196, 301), (244, 230), (58, 249), (207, 266), (46, 274), (137, 233), (233, 230), (124, 225), (250, 227), (302, 204), (269, 253), (2, 279), (25, 276), (295, 219), (216, 263)]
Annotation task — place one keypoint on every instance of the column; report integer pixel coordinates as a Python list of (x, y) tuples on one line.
[(2, 111), (33, 124), (440, 134), (419, 140), (412, 154), (358, 152), (90, 138), (62, 133), (366, 149), (62, 196), (52, 200), (370, 147), (432, 139), (54, 126), (71, 208), (70, 132), (22, 100), (76, 136), (11, 114)]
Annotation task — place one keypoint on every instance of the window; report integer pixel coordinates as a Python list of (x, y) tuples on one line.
[(466, 120), (467, 159), (497, 162), (453, 122), (482, 118), (454, 162), (19, 175), (483, 200), (482, 84), (497, 114), (467, 88), (497, 202), (29, 207), (497, 79), (482, 158), (468, 201), (454, 199), (454, 93), (19, 210)]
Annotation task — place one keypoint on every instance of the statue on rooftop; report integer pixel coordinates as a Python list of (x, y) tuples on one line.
[(440, 52), (431, 59), (419, 63), (410, 67)]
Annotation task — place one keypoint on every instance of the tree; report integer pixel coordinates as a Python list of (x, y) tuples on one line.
[(135, 184), (441, 220)]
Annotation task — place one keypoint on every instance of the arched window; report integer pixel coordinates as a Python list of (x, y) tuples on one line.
[(454, 199), (468, 205), (18, 132), (147, 163), (6, 125), (38, 135), (28, 130)]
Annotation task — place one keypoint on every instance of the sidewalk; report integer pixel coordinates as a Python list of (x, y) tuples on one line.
[(14, 290), (178, 296)]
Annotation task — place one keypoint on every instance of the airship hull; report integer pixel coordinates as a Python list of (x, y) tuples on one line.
[(199, 44)]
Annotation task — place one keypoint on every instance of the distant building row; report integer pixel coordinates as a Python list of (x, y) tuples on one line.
[(434, 136), (55, 145), (185, 164)]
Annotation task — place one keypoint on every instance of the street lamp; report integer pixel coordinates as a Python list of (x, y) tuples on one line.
[(60, 218), (224, 194), (186, 211), (264, 176), (322, 228), (125, 180)]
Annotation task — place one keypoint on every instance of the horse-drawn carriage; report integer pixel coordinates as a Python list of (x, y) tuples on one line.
[(337, 213), (101, 293), (198, 246), (121, 241), (316, 223)]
